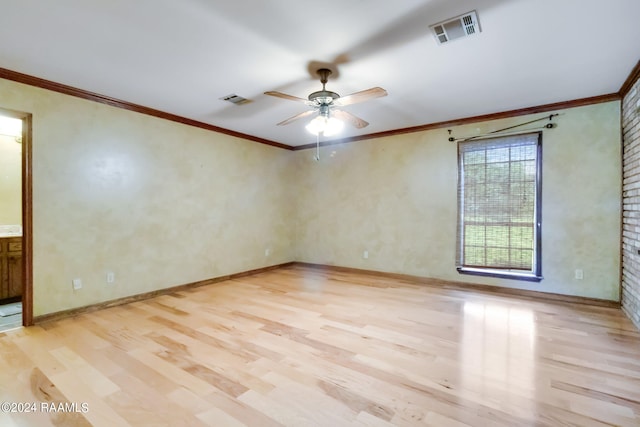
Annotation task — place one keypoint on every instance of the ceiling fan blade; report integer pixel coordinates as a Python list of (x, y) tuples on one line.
[(285, 96), (297, 117), (354, 121), (363, 95)]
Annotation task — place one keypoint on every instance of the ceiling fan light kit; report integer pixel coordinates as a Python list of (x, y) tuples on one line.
[(329, 120), (327, 126)]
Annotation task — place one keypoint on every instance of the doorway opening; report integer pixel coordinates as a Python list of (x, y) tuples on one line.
[(15, 220)]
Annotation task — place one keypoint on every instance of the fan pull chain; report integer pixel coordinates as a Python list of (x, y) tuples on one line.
[(317, 156)]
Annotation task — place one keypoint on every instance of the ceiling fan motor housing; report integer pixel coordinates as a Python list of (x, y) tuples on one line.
[(323, 97)]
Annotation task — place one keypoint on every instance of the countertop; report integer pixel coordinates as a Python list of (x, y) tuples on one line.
[(11, 230)]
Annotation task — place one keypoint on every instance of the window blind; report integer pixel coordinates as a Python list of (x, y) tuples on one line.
[(499, 204)]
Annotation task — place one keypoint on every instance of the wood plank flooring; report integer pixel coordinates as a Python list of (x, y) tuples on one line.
[(302, 347)]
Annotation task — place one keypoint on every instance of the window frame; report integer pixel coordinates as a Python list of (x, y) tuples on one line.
[(535, 275)]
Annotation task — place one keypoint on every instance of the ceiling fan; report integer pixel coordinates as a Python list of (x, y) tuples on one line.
[(329, 120)]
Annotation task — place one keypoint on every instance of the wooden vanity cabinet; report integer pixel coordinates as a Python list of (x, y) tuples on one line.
[(10, 267)]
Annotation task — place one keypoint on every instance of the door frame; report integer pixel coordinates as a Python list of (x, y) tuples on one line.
[(27, 213)]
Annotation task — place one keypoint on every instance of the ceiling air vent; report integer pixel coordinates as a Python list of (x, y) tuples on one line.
[(458, 27), (235, 99)]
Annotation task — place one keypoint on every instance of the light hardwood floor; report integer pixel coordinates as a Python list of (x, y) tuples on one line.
[(302, 347)]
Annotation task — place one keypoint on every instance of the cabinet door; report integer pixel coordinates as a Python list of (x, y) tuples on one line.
[(14, 273), (4, 280)]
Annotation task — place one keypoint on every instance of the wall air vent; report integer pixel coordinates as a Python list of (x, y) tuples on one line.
[(235, 99), (458, 27)]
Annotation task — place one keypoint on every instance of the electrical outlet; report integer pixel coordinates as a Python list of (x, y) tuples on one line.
[(365, 254), (111, 277), (579, 274), (77, 284), (267, 252)]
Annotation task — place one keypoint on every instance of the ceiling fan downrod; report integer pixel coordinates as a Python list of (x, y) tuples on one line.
[(324, 96), (324, 74)]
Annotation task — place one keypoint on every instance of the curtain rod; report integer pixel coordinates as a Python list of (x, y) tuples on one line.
[(547, 126)]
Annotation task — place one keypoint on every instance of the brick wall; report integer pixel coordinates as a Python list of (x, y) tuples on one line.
[(631, 203)]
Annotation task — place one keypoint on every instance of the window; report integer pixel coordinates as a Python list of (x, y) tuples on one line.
[(499, 192)]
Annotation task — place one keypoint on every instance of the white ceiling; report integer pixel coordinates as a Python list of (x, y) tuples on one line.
[(182, 56)]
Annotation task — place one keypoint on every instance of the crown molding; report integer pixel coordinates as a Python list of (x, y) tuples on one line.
[(628, 84), (475, 119), (114, 102), (118, 103)]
